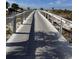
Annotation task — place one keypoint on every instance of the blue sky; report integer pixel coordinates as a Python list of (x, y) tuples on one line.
[(59, 4)]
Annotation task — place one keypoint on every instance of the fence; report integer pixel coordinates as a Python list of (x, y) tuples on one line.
[(13, 22)]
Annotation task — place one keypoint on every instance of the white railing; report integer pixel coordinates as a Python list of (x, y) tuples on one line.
[(16, 20), (62, 22)]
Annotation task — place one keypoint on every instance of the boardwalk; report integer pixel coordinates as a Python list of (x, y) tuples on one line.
[(37, 38)]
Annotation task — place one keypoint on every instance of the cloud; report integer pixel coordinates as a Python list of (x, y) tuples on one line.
[(56, 2), (60, 1), (11, 1), (50, 3)]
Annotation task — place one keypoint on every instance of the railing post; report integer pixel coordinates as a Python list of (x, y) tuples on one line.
[(61, 25), (44, 14), (14, 25), (52, 20), (21, 18), (47, 16), (24, 16)]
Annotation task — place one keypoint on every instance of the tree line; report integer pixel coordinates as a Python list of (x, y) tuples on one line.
[(64, 13), (13, 7)]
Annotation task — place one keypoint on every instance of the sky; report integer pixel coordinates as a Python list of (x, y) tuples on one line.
[(58, 4)]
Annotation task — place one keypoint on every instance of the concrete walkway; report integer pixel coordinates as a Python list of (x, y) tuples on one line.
[(36, 38)]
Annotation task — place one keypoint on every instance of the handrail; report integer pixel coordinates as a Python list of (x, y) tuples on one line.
[(16, 15), (58, 17), (54, 29), (13, 19), (67, 24)]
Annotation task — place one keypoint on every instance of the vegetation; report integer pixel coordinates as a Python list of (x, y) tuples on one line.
[(7, 4), (8, 32), (41, 9), (28, 8), (64, 13), (15, 6)]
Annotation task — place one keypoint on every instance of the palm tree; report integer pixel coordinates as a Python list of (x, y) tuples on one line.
[(7, 4)]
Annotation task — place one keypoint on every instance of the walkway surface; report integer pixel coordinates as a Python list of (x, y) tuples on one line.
[(36, 38)]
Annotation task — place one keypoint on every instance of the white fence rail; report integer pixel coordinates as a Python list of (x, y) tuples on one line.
[(17, 18), (66, 24)]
